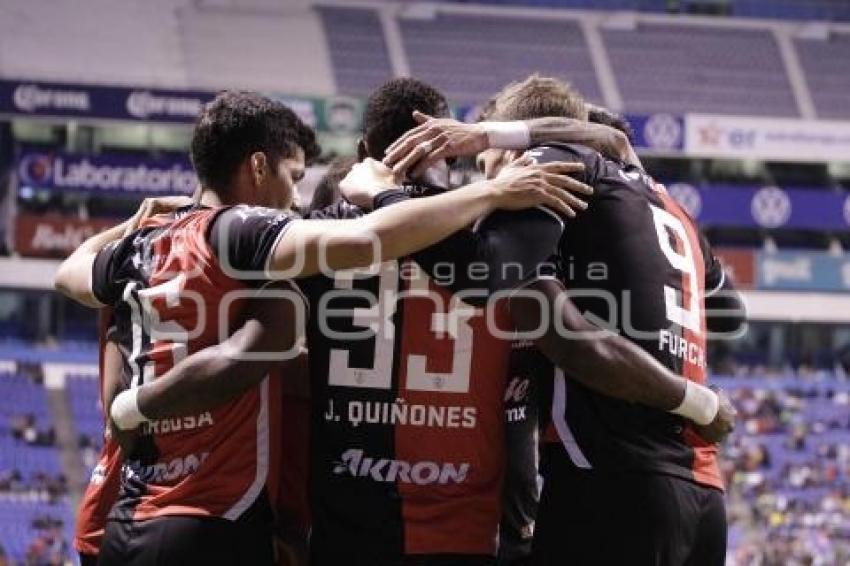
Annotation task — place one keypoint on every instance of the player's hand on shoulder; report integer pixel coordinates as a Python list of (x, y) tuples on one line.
[(610, 142), (365, 181), (723, 424), (155, 205), (433, 140), (524, 183)]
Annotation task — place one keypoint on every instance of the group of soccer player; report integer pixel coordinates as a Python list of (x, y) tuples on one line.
[(405, 373)]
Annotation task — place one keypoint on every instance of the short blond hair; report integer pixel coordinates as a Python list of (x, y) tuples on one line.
[(537, 97)]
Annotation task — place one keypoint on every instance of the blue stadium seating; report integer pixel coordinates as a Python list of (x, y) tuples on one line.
[(84, 399), (829, 10), (359, 55), (16, 524), (23, 396), (643, 5), (798, 423), (825, 63), (678, 68), (471, 57), (789, 468)]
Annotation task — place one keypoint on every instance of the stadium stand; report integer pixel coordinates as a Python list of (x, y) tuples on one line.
[(825, 65), (84, 399), (357, 47), (469, 51), (643, 5), (830, 10), (224, 46), (788, 468), (834, 10), (674, 68), (154, 49), (175, 43), (36, 519), (471, 57), (34, 532)]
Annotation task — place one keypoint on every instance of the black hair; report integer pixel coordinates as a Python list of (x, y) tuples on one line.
[(327, 191), (487, 110), (235, 125), (389, 111), (601, 115)]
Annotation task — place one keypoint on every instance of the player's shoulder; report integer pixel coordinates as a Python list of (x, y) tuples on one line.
[(556, 151), (609, 176), (597, 166), (123, 249), (341, 209), (246, 212), (594, 163), (244, 220)]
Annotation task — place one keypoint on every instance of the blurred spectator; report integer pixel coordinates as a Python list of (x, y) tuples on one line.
[(24, 428), (49, 547), (788, 484)]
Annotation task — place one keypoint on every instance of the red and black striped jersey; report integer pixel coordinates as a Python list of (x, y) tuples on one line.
[(408, 386), (530, 376), (177, 287), (102, 489), (635, 263)]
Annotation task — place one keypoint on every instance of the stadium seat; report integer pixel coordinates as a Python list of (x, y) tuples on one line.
[(666, 68), (468, 57), (825, 65), (358, 52)]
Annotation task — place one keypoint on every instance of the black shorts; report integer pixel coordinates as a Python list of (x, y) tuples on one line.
[(355, 559), (589, 517), (448, 560), (334, 544), (180, 540)]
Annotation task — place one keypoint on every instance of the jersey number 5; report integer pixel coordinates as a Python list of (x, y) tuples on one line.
[(151, 326)]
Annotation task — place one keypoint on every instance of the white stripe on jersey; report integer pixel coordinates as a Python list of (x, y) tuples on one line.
[(256, 488), (559, 408), (137, 379)]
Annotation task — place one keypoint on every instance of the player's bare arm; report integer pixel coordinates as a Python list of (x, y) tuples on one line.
[(612, 365), (413, 225), (369, 179), (73, 278), (113, 384), (217, 374), (441, 138)]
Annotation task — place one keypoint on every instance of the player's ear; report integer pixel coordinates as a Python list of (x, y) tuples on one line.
[(259, 167), (362, 149)]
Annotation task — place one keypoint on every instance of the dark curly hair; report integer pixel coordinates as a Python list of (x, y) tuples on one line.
[(601, 115), (327, 191), (235, 125), (389, 111)]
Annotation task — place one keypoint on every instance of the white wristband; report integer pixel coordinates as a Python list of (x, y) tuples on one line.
[(125, 411), (507, 135), (699, 405)]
